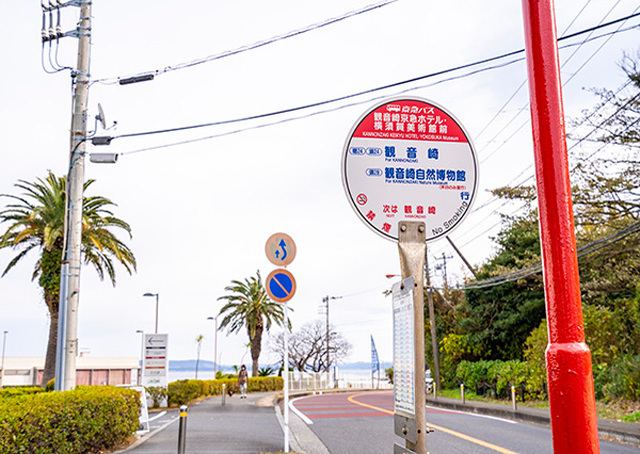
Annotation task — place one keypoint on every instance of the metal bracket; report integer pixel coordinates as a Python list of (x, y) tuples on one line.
[(405, 427)]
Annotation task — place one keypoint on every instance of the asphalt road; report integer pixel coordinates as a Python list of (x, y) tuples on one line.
[(350, 423)]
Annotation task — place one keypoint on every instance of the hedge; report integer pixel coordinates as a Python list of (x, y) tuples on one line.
[(185, 391), (500, 375), (89, 419)]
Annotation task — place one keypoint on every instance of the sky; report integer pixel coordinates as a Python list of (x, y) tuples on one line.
[(201, 211)]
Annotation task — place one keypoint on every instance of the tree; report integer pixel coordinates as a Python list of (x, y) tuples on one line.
[(308, 347), (249, 306), (497, 320), (36, 221), (199, 340)]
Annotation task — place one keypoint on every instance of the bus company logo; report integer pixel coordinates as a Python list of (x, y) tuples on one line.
[(394, 108)]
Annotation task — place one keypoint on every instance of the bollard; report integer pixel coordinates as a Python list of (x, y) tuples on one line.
[(182, 430), (513, 398), (462, 391), (224, 392), (435, 392)]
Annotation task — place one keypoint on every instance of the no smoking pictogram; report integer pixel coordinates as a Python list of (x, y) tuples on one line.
[(362, 199)]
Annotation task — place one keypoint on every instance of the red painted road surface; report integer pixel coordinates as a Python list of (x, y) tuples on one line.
[(339, 406)]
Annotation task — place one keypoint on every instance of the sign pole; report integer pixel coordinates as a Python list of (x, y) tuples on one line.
[(571, 392), (286, 379), (412, 247)]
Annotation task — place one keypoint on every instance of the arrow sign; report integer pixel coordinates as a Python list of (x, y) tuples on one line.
[(281, 285), (280, 249)]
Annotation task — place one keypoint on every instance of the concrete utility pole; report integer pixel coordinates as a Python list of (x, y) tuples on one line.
[(75, 186), (432, 323)]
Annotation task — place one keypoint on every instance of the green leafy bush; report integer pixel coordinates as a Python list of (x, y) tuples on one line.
[(623, 379), (20, 391), (500, 376), (157, 393), (86, 420), (184, 391)]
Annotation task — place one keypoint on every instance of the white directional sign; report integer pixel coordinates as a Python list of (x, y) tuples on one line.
[(409, 159), (155, 367), (403, 348)]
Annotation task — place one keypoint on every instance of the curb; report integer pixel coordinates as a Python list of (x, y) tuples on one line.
[(619, 431)]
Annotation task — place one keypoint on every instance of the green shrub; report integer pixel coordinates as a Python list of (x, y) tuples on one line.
[(184, 391), (623, 379), (500, 376), (158, 394), (88, 419), (20, 391)]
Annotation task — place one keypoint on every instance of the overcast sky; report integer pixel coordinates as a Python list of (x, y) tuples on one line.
[(202, 211)]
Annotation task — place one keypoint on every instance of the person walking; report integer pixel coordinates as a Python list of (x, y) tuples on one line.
[(243, 376)]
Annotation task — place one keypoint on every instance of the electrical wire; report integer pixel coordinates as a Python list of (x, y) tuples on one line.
[(338, 99), (256, 45), (537, 267)]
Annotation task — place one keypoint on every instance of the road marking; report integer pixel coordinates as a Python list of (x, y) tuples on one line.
[(159, 415), (442, 429), (298, 412), (495, 418)]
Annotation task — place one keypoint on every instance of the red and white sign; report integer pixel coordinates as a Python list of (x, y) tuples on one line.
[(414, 161)]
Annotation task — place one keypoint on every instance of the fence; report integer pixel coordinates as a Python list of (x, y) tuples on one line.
[(311, 381)]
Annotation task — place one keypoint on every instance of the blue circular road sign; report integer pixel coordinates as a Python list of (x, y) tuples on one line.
[(281, 285)]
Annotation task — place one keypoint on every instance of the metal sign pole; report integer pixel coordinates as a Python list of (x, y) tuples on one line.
[(286, 379), (412, 247)]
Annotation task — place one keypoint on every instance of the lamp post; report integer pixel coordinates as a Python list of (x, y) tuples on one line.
[(157, 295), (4, 342), (215, 345), (139, 331)]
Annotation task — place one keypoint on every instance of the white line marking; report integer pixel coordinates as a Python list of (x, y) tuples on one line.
[(298, 412), (474, 414), (159, 415)]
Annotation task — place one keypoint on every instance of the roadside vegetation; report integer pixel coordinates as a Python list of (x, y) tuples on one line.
[(492, 333)]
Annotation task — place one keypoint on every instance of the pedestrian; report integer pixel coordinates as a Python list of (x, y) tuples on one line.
[(242, 381)]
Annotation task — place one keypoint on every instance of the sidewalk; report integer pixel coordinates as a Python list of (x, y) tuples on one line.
[(622, 431), (241, 426)]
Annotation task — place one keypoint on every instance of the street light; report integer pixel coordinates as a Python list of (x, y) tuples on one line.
[(4, 342), (157, 295), (215, 345), (139, 331)]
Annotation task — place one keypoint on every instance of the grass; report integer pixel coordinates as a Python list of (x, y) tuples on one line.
[(626, 411)]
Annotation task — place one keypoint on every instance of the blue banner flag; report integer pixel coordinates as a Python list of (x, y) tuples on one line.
[(375, 364)]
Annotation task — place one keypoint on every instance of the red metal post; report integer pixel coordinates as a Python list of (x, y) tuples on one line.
[(571, 394)]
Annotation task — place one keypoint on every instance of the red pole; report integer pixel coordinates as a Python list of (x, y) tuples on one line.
[(571, 395)]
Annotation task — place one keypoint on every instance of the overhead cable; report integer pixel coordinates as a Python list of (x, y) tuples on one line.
[(256, 45), (373, 90)]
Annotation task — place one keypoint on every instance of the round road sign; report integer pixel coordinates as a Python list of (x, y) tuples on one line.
[(281, 286), (409, 159), (280, 249)]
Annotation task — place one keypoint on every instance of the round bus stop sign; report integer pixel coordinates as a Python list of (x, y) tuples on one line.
[(408, 159)]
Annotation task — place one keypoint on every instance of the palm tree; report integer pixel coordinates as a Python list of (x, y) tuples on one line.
[(199, 340), (249, 306), (36, 221)]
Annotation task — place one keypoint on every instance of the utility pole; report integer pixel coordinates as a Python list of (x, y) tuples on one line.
[(75, 186), (325, 302), (432, 323), (443, 267)]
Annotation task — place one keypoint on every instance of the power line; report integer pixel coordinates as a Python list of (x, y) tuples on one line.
[(537, 267), (361, 93), (256, 45)]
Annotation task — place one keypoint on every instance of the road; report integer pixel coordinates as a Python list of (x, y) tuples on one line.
[(363, 422)]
